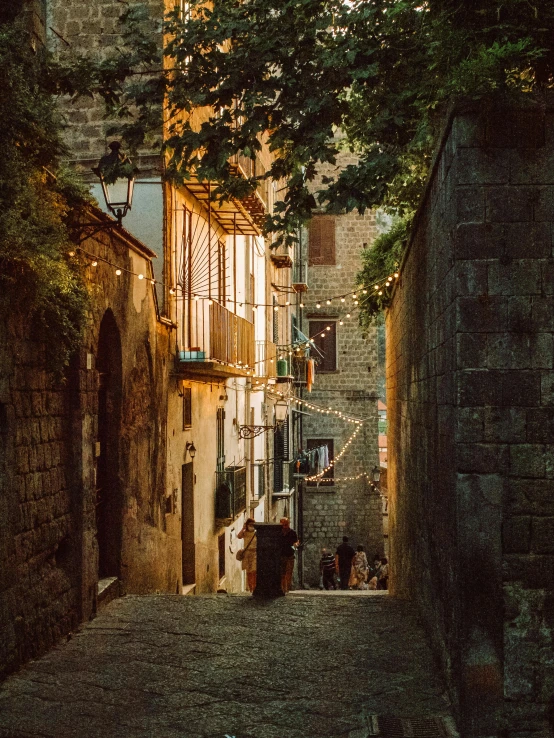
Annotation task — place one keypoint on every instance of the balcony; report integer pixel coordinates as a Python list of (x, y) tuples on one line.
[(218, 343), (266, 364), (300, 277), (230, 494), (281, 257)]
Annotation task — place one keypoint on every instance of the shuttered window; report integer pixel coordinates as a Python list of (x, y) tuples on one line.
[(326, 342), (321, 245), (187, 407)]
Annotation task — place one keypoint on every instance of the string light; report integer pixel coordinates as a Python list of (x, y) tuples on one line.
[(386, 282)]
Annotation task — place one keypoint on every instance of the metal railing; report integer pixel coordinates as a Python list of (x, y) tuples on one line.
[(213, 333), (253, 168), (230, 492), (300, 273), (266, 355)]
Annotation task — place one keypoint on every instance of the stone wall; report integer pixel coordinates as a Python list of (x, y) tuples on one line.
[(349, 507), (469, 390), (49, 553)]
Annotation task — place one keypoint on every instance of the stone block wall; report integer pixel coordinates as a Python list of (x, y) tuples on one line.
[(469, 374), (48, 436), (349, 507)]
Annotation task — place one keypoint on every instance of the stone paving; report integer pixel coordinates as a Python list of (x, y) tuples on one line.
[(162, 666)]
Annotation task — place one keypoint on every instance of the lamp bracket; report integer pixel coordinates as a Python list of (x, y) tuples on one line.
[(251, 431)]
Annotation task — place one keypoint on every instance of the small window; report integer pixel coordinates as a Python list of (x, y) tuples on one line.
[(187, 407), (321, 241), (326, 343), (326, 479)]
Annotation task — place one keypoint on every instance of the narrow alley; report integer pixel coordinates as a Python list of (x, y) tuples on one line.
[(216, 666)]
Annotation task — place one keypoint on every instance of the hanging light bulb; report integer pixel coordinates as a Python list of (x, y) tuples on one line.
[(287, 302), (364, 292), (328, 328), (141, 276), (301, 304), (341, 322), (318, 305), (380, 292), (94, 263), (171, 291), (328, 302), (342, 299), (396, 275), (118, 272), (347, 315), (276, 308)]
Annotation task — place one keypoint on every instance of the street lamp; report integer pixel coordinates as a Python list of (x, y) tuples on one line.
[(281, 410), (191, 449), (376, 474), (117, 177)]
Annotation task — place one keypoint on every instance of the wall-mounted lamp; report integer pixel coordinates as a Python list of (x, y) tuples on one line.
[(281, 410), (191, 449), (376, 474)]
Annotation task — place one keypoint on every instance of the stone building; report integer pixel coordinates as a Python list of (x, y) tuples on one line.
[(81, 515), (470, 394), (342, 501)]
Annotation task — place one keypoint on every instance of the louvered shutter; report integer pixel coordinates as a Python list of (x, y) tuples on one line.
[(321, 245)]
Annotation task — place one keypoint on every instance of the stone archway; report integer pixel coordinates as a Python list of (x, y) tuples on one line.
[(108, 483)]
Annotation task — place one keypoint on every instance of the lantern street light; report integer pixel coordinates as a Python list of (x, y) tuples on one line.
[(376, 474), (281, 410), (117, 177), (190, 447)]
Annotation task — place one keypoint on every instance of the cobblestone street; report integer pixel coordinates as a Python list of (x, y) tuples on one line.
[(315, 665)]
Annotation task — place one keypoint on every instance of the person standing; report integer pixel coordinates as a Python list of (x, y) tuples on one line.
[(328, 567), (249, 561), (343, 558), (359, 570), (289, 543)]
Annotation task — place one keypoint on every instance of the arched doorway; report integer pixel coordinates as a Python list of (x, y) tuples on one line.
[(108, 486)]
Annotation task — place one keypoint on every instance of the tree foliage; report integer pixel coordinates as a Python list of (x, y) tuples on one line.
[(36, 279), (293, 72)]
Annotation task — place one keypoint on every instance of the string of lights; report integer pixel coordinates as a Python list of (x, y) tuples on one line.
[(339, 300)]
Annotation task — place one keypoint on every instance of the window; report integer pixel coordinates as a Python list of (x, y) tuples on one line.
[(321, 241), (328, 478), (326, 343), (187, 407), (275, 322), (221, 272)]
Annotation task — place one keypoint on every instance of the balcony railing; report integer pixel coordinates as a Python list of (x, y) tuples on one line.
[(300, 277), (230, 492), (283, 477), (214, 334), (266, 363), (281, 257), (253, 168)]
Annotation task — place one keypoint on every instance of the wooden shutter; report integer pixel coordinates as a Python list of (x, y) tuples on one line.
[(187, 407), (321, 247), (327, 345)]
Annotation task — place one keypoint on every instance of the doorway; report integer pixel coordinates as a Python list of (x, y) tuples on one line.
[(187, 524), (109, 507)]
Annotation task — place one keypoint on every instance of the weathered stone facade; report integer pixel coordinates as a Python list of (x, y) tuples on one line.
[(469, 386), (55, 438), (349, 507)]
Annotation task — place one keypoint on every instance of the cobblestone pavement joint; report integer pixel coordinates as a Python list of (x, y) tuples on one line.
[(163, 666)]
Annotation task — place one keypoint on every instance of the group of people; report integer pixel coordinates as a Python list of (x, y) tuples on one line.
[(288, 543), (353, 568)]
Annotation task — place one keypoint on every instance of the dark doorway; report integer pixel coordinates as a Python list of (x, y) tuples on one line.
[(108, 489), (187, 524)]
